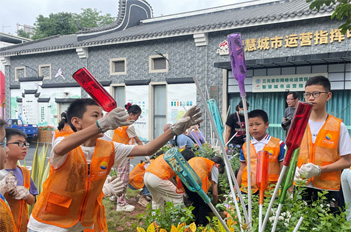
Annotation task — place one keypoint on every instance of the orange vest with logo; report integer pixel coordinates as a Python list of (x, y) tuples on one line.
[(70, 194), (6, 220), (323, 152), (273, 148), (67, 130), (120, 135), (136, 176), (19, 208), (161, 169), (202, 168)]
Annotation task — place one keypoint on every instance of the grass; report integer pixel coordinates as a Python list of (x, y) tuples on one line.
[(123, 221)]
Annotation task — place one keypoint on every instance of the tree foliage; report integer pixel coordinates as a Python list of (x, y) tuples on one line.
[(64, 23), (342, 11), (23, 34)]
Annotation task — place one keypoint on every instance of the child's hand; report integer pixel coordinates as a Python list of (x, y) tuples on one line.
[(8, 183), (115, 118), (190, 118), (20, 193), (309, 170)]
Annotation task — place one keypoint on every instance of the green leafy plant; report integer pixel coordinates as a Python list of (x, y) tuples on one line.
[(49, 128), (171, 215)]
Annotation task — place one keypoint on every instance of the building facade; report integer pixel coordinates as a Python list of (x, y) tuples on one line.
[(151, 61)]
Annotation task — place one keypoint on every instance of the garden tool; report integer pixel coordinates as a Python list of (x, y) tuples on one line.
[(213, 107), (237, 61), (262, 179), (286, 184), (298, 224), (229, 170), (189, 177), (293, 141), (88, 82)]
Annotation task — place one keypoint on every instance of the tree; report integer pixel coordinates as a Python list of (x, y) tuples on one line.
[(342, 11), (93, 18), (64, 23), (61, 23), (23, 34)]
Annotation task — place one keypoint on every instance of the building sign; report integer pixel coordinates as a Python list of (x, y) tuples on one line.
[(289, 41), (281, 83), (180, 97), (139, 95)]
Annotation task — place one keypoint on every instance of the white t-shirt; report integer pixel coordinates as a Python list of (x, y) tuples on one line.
[(344, 147), (121, 153)]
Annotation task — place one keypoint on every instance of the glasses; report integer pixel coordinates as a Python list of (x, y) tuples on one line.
[(21, 144), (314, 94), (4, 143)]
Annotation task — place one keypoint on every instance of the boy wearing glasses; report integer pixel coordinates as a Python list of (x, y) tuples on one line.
[(25, 192), (7, 183), (325, 147)]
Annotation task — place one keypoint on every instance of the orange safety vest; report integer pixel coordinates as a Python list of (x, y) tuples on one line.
[(136, 176), (202, 168), (120, 135), (273, 148), (70, 194), (6, 220), (323, 152), (100, 223), (65, 131), (161, 169), (19, 208)]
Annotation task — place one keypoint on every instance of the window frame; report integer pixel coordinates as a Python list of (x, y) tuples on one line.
[(43, 66), (16, 72), (152, 64), (112, 69)]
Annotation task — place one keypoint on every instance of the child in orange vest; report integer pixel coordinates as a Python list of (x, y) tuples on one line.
[(261, 140), (63, 128), (80, 162), (26, 190), (325, 148), (126, 135), (159, 180), (208, 171), (7, 183)]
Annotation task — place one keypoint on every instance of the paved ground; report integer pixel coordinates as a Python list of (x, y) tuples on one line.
[(31, 151)]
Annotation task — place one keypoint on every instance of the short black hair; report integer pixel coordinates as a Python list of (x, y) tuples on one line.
[(188, 154), (319, 80), (220, 161), (12, 132), (77, 109), (241, 105), (260, 114), (132, 109), (294, 94)]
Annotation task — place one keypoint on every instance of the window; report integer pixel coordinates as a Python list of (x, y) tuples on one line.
[(159, 109), (119, 95), (20, 72), (45, 71), (118, 66), (158, 63)]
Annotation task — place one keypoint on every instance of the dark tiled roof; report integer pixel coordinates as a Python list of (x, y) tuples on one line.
[(268, 13)]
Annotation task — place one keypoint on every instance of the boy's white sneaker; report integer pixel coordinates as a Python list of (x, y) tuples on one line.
[(127, 208)]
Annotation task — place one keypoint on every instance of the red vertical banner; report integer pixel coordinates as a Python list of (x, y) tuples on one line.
[(2, 94)]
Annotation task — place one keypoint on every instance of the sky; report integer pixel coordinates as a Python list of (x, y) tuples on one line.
[(26, 11)]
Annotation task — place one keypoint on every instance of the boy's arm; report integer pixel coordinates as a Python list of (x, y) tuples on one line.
[(153, 146), (138, 141), (342, 163), (76, 139), (190, 118), (215, 192), (30, 199), (240, 173), (115, 118)]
